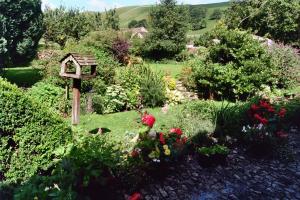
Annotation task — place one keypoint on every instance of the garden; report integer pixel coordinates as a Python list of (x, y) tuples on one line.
[(158, 119)]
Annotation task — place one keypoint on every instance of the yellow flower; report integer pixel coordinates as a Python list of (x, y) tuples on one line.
[(165, 147), (167, 152)]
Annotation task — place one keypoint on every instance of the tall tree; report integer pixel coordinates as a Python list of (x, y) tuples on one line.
[(112, 20), (21, 27), (61, 24), (277, 19), (216, 14), (169, 26)]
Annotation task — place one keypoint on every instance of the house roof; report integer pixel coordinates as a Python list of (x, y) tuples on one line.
[(139, 30), (82, 59)]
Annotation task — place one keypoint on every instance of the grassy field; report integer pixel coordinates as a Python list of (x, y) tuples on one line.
[(22, 76), (130, 13), (168, 69)]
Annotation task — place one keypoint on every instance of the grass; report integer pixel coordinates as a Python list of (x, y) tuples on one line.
[(22, 76), (168, 69), (120, 123)]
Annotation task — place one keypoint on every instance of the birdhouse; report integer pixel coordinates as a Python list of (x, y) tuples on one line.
[(77, 67)]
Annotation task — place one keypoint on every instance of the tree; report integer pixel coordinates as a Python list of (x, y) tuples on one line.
[(136, 24), (169, 25), (112, 20), (216, 14), (21, 27), (277, 19), (61, 24), (132, 24), (197, 17)]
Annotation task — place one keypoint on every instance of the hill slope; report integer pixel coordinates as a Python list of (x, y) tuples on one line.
[(130, 13)]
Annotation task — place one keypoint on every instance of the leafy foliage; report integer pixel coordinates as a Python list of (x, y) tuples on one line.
[(112, 20), (169, 25), (120, 49), (278, 19), (62, 24), (48, 94), (20, 30), (231, 67), (27, 147), (217, 14), (138, 23)]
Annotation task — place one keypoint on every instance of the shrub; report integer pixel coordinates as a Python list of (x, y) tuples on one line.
[(49, 94), (120, 50), (231, 68), (90, 162), (287, 61), (115, 99), (147, 84), (30, 134)]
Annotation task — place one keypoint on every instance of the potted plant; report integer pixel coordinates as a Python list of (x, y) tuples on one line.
[(213, 155)]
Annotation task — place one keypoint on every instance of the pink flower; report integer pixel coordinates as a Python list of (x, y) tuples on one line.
[(161, 138), (177, 131), (135, 196), (148, 120)]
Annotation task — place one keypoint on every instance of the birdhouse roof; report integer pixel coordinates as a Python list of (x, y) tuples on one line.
[(81, 59)]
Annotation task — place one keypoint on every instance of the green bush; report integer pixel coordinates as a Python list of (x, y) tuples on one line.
[(287, 61), (30, 134), (144, 83), (232, 66), (115, 99), (49, 94), (91, 162)]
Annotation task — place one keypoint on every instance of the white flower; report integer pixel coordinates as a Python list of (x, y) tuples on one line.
[(244, 129), (156, 160)]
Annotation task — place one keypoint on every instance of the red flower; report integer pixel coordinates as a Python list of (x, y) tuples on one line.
[(282, 134), (177, 131), (265, 104), (135, 196), (271, 109), (184, 140), (282, 112), (148, 120), (178, 141), (254, 107), (161, 138), (134, 153), (261, 119)]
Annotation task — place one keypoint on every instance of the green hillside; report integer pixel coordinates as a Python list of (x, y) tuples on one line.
[(130, 13)]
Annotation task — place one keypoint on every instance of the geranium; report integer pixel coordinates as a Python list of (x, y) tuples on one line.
[(148, 120), (161, 138), (184, 140), (135, 196), (261, 119), (254, 107), (282, 112), (177, 131)]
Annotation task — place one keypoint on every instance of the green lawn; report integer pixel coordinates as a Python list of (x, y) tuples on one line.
[(120, 123), (22, 76), (168, 69)]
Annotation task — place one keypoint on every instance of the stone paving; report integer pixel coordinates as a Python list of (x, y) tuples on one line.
[(243, 178)]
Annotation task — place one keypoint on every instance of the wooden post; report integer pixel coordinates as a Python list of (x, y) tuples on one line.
[(76, 101)]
